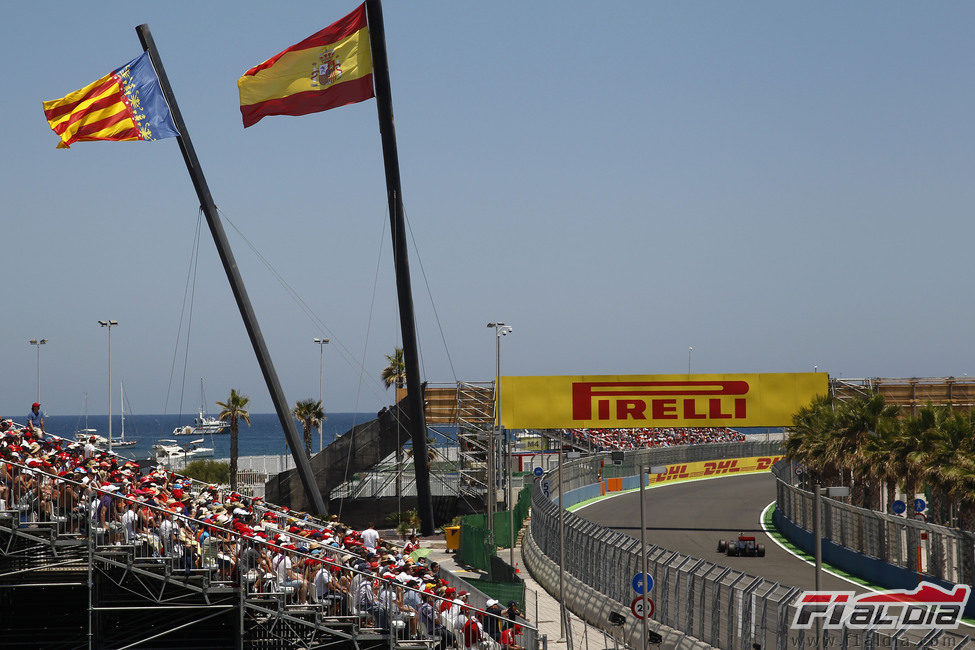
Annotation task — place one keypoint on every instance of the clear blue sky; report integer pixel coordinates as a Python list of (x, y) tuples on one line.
[(779, 185)]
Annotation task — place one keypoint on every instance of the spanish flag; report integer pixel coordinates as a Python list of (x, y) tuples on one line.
[(126, 104), (328, 69)]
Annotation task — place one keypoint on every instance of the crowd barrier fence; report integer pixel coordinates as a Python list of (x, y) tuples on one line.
[(710, 603)]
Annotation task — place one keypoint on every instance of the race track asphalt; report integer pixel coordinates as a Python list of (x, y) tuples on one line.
[(691, 517)]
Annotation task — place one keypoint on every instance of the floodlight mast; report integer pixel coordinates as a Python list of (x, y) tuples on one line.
[(38, 343)]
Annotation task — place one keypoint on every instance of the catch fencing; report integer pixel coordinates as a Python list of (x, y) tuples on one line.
[(718, 605), (917, 547)]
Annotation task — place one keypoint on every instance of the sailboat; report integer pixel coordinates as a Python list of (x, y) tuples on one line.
[(202, 424), (122, 442), (86, 434)]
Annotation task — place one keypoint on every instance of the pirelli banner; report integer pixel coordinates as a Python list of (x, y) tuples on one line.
[(636, 401)]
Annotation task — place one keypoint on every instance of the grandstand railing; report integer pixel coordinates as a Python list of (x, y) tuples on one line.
[(60, 512), (720, 606)]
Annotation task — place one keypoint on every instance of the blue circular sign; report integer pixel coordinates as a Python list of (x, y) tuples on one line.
[(638, 582), (898, 507), (538, 471), (919, 505)]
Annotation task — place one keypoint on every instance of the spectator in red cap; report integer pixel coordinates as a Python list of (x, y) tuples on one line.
[(472, 631), (509, 638), (35, 421)]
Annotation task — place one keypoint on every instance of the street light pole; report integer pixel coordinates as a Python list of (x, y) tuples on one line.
[(689, 350), (500, 329), (38, 343), (321, 388), (643, 554), (562, 612), (818, 539), (109, 324)]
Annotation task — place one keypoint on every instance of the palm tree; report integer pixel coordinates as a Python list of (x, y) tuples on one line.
[(944, 450), (811, 439), (395, 372), (234, 410), (884, 452), (914, 430), (858, 420), (309, 412)]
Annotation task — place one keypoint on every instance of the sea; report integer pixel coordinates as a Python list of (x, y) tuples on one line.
[(264, 436)]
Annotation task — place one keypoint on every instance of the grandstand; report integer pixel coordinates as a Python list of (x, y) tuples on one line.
[(96, 551), (911, 392)]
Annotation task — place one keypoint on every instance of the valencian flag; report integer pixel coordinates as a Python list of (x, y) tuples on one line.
[(328, 69), (126, 104)]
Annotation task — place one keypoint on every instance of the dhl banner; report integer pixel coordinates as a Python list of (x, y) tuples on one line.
[(700, 469), (706, 468), (636, 401)]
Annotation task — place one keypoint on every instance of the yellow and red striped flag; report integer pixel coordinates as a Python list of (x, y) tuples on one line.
[(125, 104), (328, 69)]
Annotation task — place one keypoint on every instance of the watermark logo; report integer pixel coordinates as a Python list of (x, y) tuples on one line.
[(928, 606)]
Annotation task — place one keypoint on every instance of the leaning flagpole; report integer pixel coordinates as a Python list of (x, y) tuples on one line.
[(233, 275), (404, 293)]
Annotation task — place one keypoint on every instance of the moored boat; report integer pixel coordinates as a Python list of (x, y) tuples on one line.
[(202, 423)]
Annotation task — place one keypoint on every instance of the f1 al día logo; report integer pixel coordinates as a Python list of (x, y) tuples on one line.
[(928, 606)]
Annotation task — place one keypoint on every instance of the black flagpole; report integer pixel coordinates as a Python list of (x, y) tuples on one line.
[(404, 293), (233, 275)]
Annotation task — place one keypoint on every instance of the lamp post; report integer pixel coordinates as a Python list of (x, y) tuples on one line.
[(644, 479), (818, 493), (38, 343), (562, 612), (109, 324), (500, 329), (322, 342), (689, 350)]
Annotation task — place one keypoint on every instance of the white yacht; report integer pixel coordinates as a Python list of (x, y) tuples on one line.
[(86, 435), (197, 450), (169, 453), (202, 423)]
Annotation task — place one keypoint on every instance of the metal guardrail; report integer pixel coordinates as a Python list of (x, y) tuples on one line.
[(723, 607), (945, 553)]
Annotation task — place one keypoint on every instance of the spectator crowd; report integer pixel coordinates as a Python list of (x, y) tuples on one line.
[(624, 439), (262, 548)]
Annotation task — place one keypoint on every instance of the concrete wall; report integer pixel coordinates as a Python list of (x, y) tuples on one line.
[(357, 450)]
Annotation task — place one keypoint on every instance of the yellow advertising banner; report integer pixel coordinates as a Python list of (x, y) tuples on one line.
[(637, 401), (706, 468)]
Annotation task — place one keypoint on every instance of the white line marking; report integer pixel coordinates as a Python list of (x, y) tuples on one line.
[(788, 550), (813, 564)]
